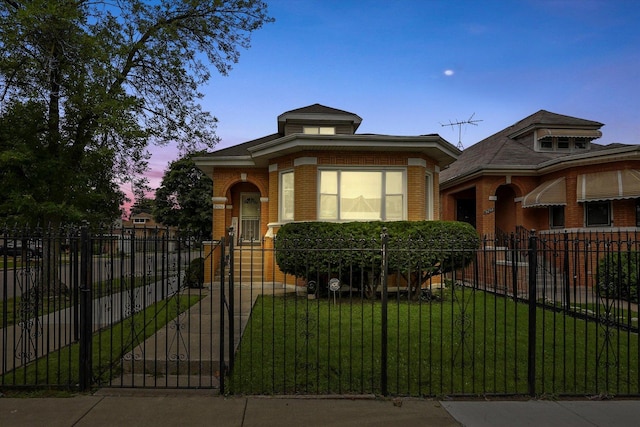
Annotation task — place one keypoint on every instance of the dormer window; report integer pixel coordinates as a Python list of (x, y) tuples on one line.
[(546, 143), (319, 130), (562, 143), (565, 139)]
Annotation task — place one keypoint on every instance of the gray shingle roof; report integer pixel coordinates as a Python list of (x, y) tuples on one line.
[(243, 148), (514, 145), (317, 109)]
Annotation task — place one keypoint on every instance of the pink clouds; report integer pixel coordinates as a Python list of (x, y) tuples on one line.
[(158, 163)]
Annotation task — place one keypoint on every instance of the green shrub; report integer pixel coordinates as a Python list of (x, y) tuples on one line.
[(195, 273), (618, 275), (417, 248)]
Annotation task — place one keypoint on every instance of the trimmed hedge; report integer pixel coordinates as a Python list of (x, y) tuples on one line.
[(421, 247)]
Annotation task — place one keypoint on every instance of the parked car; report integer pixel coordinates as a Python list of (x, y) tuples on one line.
[(15, 249)]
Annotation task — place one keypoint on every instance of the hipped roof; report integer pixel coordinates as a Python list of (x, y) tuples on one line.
[(509, 149)]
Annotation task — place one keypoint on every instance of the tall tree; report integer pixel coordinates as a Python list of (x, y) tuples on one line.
[(143, 205), (32, 181), (184, 197), (102, 80)]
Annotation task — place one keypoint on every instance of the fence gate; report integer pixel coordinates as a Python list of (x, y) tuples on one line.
[(88, 308)]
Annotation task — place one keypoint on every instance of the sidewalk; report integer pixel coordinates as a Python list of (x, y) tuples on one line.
[(115, 407)]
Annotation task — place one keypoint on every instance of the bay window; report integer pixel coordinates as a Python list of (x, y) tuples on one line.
[(367, 195)]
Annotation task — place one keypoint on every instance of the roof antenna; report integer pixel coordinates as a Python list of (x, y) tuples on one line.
[(470, 121)]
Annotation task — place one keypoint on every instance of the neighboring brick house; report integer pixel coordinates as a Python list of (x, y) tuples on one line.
[(315, 167), (544, 173), (143, 224), (145, 228)]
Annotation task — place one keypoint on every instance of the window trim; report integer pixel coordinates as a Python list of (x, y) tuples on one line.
[(382, 170)]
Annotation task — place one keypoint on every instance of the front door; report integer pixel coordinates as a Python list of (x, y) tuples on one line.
[(249, 218), (466, 211)]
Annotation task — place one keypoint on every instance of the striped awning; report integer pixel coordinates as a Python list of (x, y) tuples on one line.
[(571, 133), (611, 185), (549, 193)]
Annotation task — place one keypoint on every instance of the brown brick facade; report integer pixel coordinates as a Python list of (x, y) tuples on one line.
[(229, 183), (486, 190)]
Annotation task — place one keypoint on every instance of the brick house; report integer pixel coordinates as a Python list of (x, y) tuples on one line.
[(316, 167), (143, 224), (545, 172), (144, 227)]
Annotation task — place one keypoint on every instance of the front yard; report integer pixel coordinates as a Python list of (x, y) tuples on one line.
[(473, 343)]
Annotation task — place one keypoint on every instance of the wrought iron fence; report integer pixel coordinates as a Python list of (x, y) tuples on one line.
[(532, 314), (537, 314), (79, 305)]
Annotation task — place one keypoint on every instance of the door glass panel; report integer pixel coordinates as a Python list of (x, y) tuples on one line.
[(250, 217)]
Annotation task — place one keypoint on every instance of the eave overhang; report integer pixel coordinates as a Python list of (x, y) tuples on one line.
[(488, 170), (435, 147), (630, 152), (208, 164)]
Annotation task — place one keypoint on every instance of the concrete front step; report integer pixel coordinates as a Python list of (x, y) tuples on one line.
[(247, 262)]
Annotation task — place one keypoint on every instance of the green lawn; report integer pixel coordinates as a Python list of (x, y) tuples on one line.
[(470, 344), (45, 305), (61, 368)]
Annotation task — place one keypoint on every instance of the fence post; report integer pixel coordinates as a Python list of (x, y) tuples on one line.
[(566, 276), (230, 307), (74, 262), (384, 320), (533, 283), (86, 311), (222, 273), (514, 265)]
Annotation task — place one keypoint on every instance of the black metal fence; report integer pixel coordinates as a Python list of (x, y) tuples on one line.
[(531, 314), (84, 308)]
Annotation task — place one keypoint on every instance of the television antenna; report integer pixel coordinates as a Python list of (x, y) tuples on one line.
[(469, 121)]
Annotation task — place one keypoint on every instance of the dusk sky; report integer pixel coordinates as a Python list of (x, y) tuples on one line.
[(408, 66)]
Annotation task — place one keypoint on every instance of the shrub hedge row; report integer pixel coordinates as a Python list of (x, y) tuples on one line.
[(303, 249)]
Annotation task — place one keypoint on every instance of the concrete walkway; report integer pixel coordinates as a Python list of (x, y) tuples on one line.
[(203, 408)]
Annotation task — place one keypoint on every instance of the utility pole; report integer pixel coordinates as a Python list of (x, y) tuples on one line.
[(470, 121)]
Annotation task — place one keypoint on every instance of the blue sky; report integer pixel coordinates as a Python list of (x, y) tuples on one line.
[(408, 66)]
